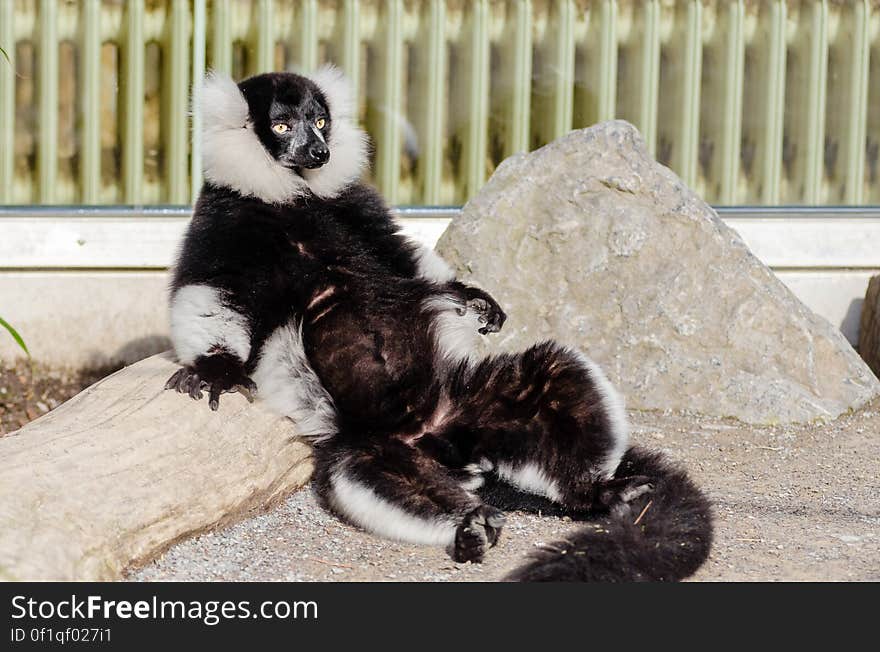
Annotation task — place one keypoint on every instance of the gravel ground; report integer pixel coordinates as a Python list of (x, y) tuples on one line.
[(792, 503)]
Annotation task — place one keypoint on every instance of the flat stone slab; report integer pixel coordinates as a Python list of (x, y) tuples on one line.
[(120, 472), (590, 241)]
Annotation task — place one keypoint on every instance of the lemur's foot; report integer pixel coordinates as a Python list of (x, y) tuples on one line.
[(478, 532), (617, 494), (217, 379)]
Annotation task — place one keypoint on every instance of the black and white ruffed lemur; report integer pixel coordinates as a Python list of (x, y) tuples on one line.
[(294, 284)]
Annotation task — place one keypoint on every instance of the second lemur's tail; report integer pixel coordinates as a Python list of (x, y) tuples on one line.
[(663, 535)]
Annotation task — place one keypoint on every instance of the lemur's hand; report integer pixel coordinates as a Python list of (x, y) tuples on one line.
[(489, 313), (219, 374)]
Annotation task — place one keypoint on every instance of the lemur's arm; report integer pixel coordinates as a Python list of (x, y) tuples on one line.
[(215, 299), (212, 339), (427, 264), (430, 266), (411, 259)]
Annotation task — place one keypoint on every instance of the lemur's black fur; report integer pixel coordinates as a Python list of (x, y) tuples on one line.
[(294, 282)]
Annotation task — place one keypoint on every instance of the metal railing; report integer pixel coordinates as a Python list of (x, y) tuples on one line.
[(751, 102)]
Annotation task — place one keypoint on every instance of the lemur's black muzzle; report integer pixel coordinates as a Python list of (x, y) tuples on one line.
[(307, 151), (318, 153)]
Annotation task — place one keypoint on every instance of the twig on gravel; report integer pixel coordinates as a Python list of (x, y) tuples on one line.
[(750, 540), (770, 448), (636, 522), (329, 563)]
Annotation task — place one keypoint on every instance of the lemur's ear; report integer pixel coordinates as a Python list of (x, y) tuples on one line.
[(221, 103), (337, 91)]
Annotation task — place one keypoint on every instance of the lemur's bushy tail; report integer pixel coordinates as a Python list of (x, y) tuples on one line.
[(664, 535)]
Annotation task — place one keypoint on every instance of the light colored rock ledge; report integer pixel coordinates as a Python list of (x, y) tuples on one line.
[(125, 469)]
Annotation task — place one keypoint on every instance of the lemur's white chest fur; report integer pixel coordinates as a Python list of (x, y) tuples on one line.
[(289, 385)]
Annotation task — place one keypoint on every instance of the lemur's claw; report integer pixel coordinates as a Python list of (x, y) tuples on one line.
[(247, 388), (195, 387), (214, 396), (172, 382), (181, 381), (488, 312), (480, 305), (215, 379)]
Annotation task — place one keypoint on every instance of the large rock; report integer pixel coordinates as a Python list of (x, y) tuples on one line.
[(123, 470), (590, 241)]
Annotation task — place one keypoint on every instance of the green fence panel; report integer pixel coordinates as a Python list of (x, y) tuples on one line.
[(766, 102)]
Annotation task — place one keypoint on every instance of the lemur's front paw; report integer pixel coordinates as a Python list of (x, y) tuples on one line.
[(478, 532), (488, 312), (218, 374)]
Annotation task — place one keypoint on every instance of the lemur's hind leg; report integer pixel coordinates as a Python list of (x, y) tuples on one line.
[(395, 490), (549, 423)]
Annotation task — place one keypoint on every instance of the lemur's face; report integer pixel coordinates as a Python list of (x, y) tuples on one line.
[(291, 117), (281, 136)]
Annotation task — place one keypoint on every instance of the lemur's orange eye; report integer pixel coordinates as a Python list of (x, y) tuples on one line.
[(280, 128), (320, 122)]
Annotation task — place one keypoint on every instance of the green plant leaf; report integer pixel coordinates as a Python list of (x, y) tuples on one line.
[(15, 335), (8, 60)]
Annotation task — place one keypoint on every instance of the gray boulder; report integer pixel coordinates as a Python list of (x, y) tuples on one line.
[(590, 241)]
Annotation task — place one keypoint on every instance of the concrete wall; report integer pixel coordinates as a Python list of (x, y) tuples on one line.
[(89, 289), (85, 318)]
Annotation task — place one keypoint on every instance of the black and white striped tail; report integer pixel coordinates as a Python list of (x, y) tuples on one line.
[(663, 535)]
